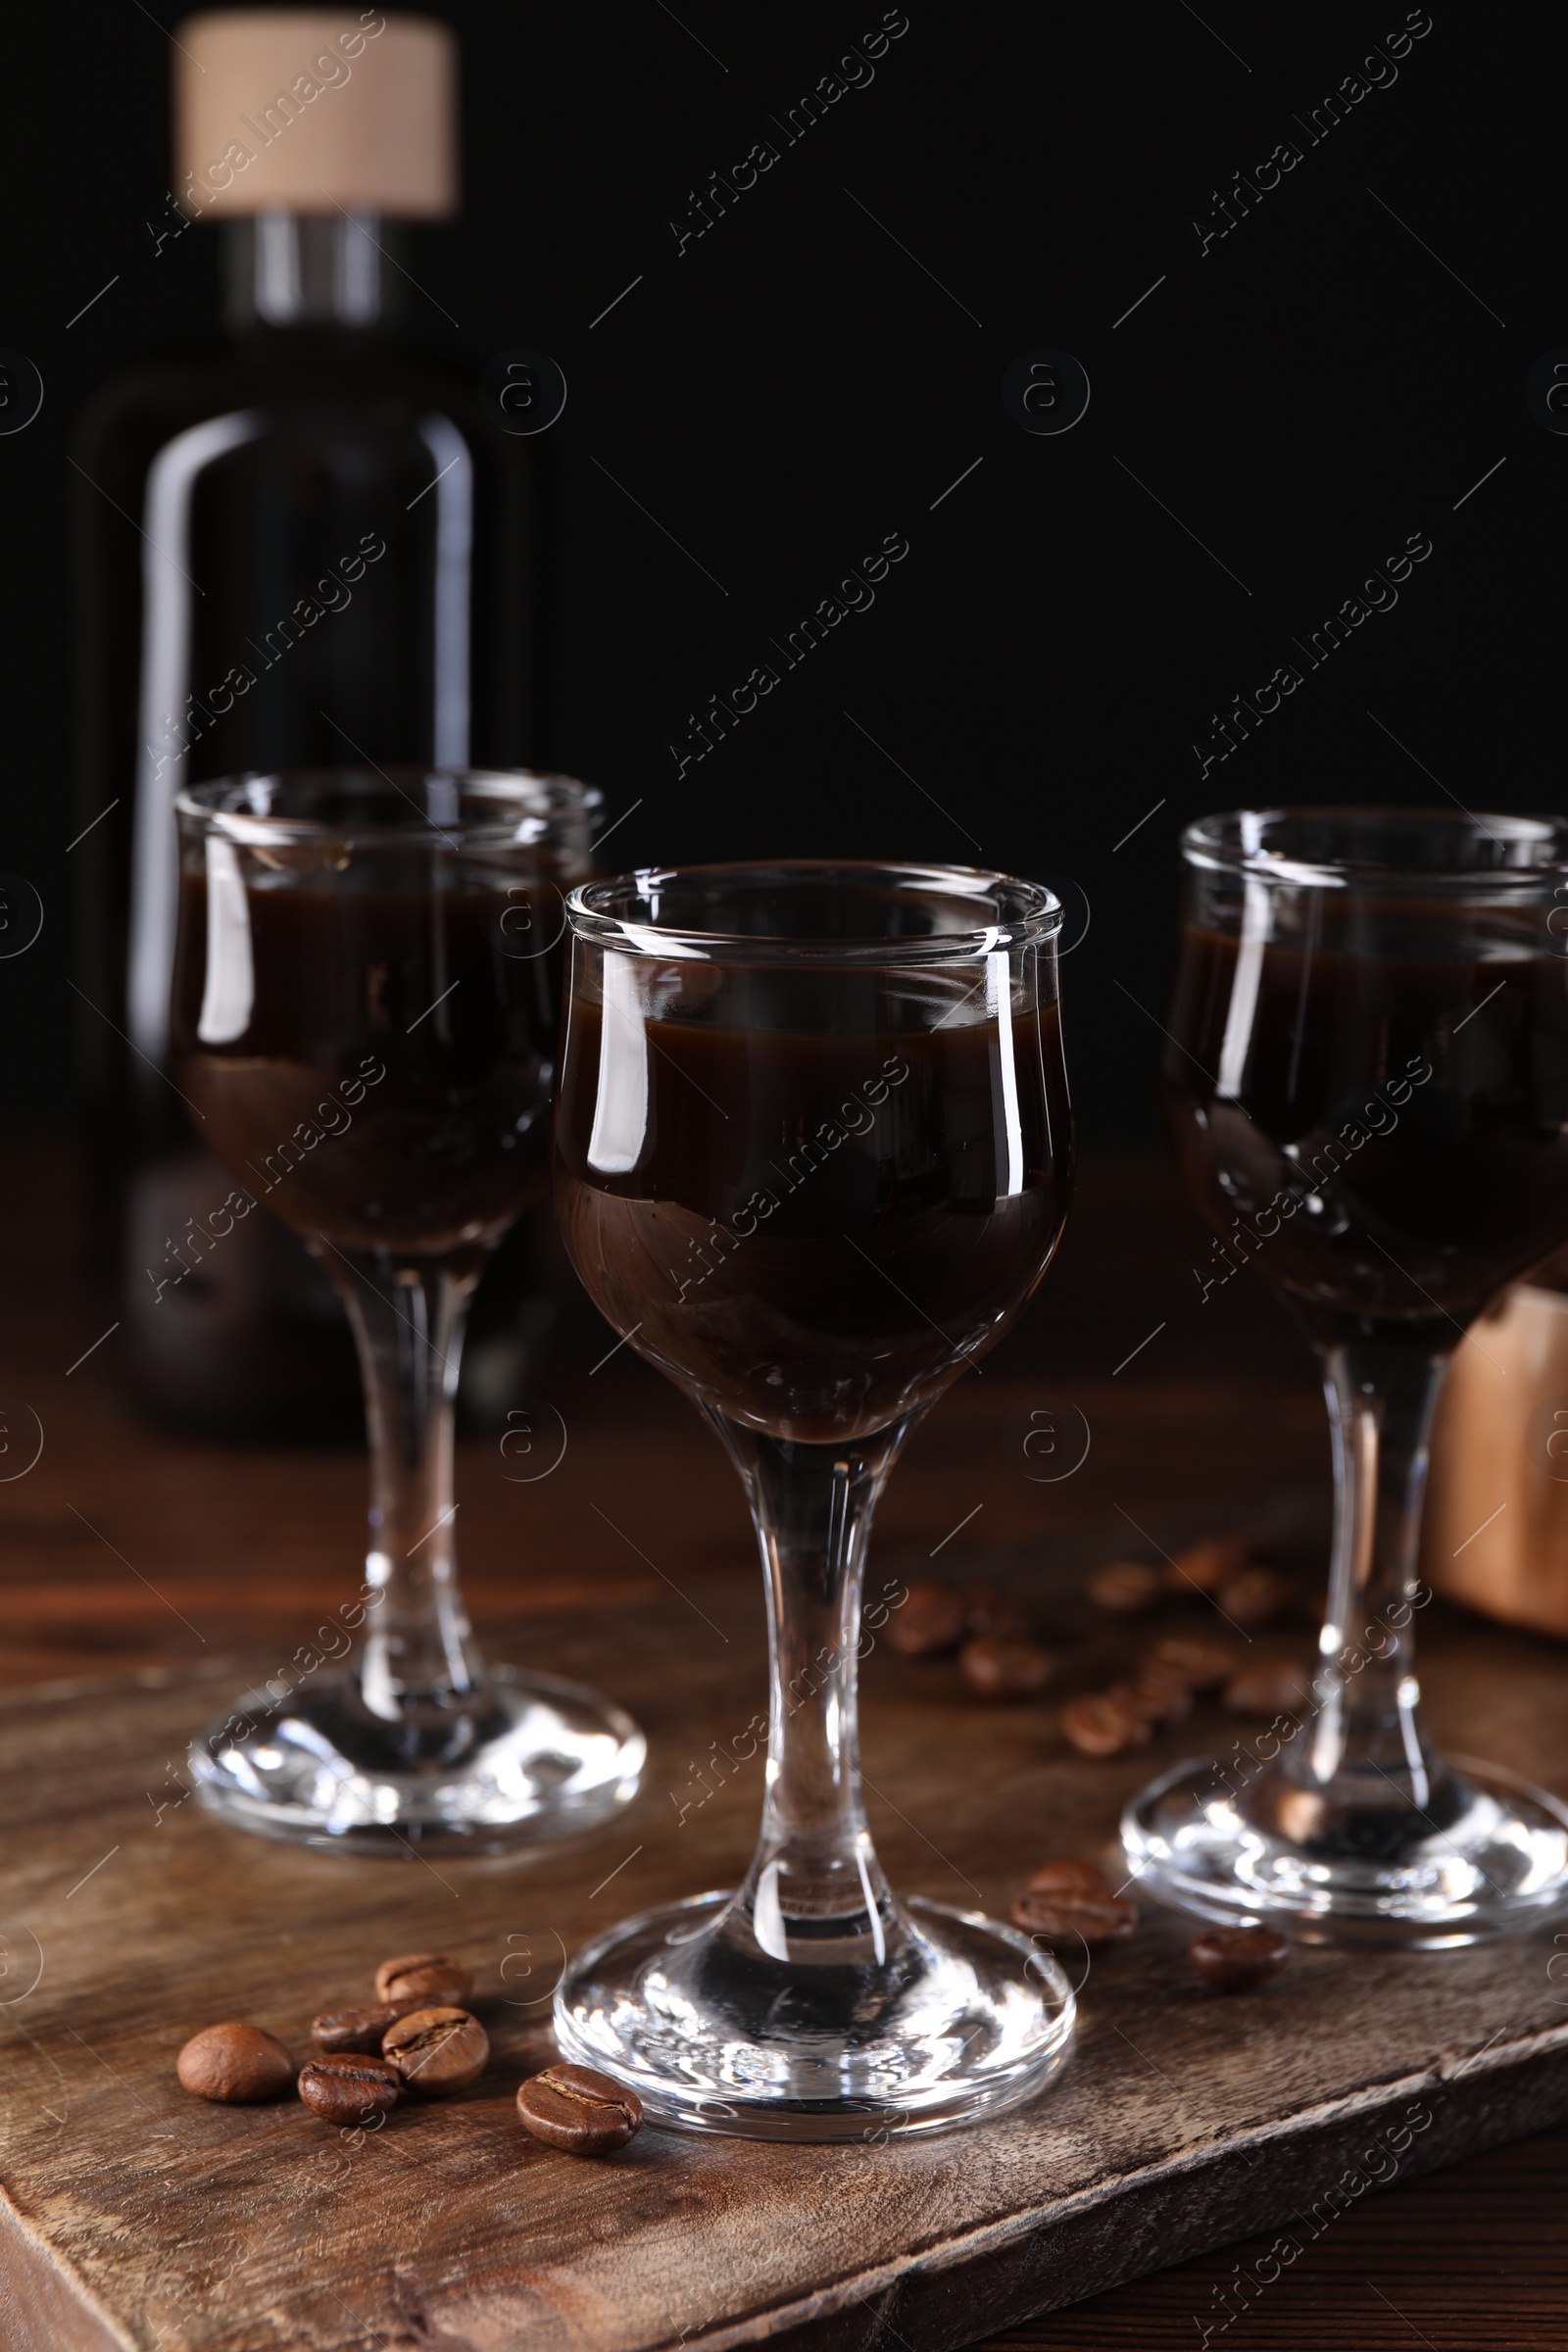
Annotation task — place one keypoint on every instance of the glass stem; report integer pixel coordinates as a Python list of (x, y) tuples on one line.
[(814, 1890), (419, 1664), (1381, 1394)]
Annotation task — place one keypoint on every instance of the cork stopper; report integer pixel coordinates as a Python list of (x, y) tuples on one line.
[(310, 109)]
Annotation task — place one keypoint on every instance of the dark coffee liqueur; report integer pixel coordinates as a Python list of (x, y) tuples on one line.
[(1388, 1135), (392, 1088), (816, 1231)]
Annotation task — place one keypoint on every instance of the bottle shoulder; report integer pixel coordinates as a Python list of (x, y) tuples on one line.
[(320, 387)]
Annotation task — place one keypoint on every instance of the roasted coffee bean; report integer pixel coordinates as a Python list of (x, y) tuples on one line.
[(1256, 1597), (1204, 1567), (1165, 1696), (573, 2108), (1201, 1665), (987, 1610), (235, 2063), (345, 2090), (422, 1975), (1070, 1879), (1136, 1699), (930, 1620), (1126, 1587), (1237, 1959), (437, 2050), (1096, 1918), (359, 2029), (1271, 1687), (995, 1668), (1098, 1726)]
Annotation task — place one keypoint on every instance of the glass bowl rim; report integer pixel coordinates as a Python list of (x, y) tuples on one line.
[(221, 805), (1207, 844), (1039, 916)]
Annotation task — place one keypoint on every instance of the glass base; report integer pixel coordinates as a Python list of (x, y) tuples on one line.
[(536, 1758), (968, 2018), (1488, 1857)]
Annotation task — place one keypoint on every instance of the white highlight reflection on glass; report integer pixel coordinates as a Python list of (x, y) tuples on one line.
[(230, 988), (165, 684), (1256, 916), (453, 492), (767, 1916), (999, 1003), (620, 1113)]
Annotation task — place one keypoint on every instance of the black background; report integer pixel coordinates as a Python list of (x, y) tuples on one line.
[(795, 385)]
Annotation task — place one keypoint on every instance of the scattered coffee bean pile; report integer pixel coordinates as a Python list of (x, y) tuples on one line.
[(1069, 1903), (998, 1657), (1222, 1570), (1106, 1723), (1169, 1676), (417, 2036)]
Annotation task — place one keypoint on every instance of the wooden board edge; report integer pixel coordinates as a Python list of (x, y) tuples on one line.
[(964, 2290), (44, 2306)]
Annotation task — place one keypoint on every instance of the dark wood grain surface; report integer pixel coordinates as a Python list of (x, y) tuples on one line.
[(129, 1547)]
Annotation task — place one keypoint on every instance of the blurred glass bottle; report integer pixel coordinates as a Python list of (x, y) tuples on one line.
[(306, 547)]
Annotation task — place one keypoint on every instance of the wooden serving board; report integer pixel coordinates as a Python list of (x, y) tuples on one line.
[(136, 2216)]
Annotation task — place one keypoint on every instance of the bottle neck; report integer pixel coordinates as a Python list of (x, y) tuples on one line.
[(291, 270)]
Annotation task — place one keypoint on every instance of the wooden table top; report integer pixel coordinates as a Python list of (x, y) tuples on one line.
[(128, 1544)]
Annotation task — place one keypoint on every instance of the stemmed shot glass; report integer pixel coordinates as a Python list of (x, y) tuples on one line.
[(366, 1001), (1367, 1088), (812, 1156)]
